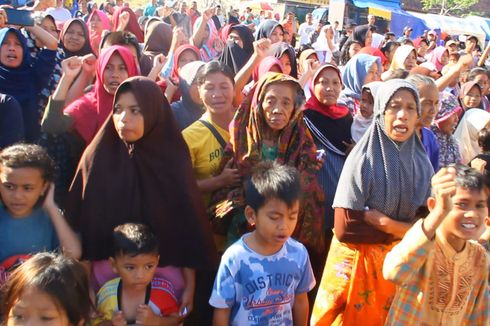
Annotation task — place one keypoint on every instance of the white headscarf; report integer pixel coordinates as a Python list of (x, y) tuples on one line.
[(466, 134), (361, 124)]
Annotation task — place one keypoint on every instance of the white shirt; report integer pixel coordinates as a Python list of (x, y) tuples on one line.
[(304, 31)]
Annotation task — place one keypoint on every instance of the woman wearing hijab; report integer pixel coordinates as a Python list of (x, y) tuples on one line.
[(87, 114), (330, 125), (206, 38), (470, 95), (360, 70), (75, 38), (363, 119), (439, 57), (128, 174), (472, 121), (190, 107), (444, 125), (238, 47), (307, 58), (271, 29), (132, 23), (385, 179), (158, 37), (97, 23), (24, 77), (363, 34), (286, 54), (266, 131), (405, 58)]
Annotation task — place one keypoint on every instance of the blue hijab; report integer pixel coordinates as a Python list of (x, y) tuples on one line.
[(26, 81), (355, 72)]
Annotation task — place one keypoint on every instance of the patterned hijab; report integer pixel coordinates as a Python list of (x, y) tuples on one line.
[(382, 174), (295, 147)]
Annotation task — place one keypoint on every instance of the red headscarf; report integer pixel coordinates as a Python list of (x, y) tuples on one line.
[(91, 110), (174, 74), (374, 52), (265, 66), (133, 25), (333, 111)]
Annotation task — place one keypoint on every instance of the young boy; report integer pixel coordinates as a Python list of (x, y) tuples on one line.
[(264, 277), (136, 296), (442, 277), (30, 220)]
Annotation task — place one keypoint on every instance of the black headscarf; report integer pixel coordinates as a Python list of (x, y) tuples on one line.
[(233, 55), (285, 48), (149, 181), (86, 48), (266, 28), (360, 33)]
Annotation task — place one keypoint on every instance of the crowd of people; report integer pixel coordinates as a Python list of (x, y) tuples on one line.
[(166, 166)]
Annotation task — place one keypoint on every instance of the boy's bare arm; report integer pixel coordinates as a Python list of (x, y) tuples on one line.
[(300, 309), (221, 317)]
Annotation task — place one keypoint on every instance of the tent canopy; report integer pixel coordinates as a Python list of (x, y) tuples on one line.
[(400, 19), (453, 25), (484, 24)]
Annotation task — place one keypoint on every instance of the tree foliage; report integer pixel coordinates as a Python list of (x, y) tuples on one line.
[(449, 7)]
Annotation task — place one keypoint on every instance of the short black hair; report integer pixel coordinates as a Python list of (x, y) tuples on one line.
[(28, 156), (134, 239), (121, 38), (272, 180), (484, 139), (468, 178), (211, 67)]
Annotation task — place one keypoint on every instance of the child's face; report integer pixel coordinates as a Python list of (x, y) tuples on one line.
[(11, 51), (274, 222), (36, 307), (135, 272), (20, 189), (367, 104), (466, 219)]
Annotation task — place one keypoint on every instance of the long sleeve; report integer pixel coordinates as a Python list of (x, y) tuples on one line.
[(44, 68), (404, 261), (54, 121), (480, 315), (350, 227)]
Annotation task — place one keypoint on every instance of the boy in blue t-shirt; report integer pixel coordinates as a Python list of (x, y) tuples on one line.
[(264, 277), (30, 220)]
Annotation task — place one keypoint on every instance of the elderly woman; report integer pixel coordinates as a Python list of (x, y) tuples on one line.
[(385, 179), (273, 129)]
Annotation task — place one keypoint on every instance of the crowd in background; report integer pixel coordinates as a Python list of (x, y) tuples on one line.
[(137, 144)]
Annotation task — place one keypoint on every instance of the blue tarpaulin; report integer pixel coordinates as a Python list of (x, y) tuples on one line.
[(400, 19), (386, 4)]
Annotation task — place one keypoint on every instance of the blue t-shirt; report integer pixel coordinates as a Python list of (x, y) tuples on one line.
[(27, 235), (260, 289)]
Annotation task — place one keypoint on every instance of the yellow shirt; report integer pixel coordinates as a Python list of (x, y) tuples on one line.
[(205, 150)]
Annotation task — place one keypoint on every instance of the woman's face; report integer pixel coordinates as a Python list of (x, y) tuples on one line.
[(373, 74), (278, 105), (115, 73), (445, 58), (422, 50), (410, 61), (186, 57), (128, 119), (327, 87), (49, 26), (96, 24), (235, 37), (472, 99), (401, 116), (36, 307), (11, 51), (367, 104), (449, 125), (429, 104), (369, 38), (484, 82), (286, 63), (277, 35), (74, 38), (354, 48), (217, 93)]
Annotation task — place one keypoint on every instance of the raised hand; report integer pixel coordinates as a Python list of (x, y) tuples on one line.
[(262, 47), (89, 63), (71, 67), (123, 20)]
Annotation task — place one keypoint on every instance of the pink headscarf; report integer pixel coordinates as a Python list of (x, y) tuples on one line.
[(91, 110), (133, 25), (265, 66), (106, 23), (436, 56)]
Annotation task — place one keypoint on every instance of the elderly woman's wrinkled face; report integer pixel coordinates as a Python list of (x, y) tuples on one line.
[(400, 116), (327, 86), (278, 105), (429, 104)]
